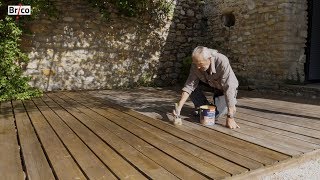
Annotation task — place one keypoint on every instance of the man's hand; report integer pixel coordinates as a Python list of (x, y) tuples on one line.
[(231, 123), (176, 110)]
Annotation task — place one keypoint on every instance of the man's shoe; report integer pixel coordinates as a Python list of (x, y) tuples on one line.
[(217, 113), (196, 113)]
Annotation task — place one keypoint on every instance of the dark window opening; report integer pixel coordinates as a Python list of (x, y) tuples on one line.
[(312, 66), (228, 19)]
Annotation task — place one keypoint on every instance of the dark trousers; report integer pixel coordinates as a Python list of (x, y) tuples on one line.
[(198, 98)]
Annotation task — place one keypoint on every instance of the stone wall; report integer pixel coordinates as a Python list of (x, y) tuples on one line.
[(80, 50), (266, 43)]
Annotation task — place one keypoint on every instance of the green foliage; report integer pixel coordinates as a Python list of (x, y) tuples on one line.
[(40, 6), (128, 7), (102, 6), (145, 80), (133, 8), (13, 85)]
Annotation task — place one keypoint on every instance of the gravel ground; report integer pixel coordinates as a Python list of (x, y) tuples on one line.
[(306, 171)]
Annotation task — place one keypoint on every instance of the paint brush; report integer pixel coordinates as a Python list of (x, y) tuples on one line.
[(177, 119)]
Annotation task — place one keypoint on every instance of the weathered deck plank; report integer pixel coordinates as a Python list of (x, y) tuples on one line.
[(288, 105), (298, 121), (37, 165), (279, 131), (285, 128), (62, 162), (273, 142), (312, 112), (106, 154), (153, 139), (90, 135), (138, 159), (284, 144), (230, 155), (287, 142), (10, 162), (251, 137), (173, 165), (90, 164), (191, 148), (282, 125)]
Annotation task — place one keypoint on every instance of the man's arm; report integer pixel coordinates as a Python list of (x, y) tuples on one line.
[(230, 95), (190, 85), (184, 97), (230, 83)]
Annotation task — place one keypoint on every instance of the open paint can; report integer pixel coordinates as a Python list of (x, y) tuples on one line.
[(207, 114)]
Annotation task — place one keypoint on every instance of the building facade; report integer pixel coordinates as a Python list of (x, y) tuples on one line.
[(267, 41)]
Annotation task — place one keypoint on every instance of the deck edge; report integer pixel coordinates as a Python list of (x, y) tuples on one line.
[(277, 167)]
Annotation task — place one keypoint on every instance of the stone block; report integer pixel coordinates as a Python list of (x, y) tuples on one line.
[(38, 28), (48, 72), (68, 19), (57, 38), (181, 55), (32, 65), (181, 39), (181, 26), (190, 13)]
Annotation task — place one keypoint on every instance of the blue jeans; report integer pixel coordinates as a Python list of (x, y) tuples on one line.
[(198, 98)]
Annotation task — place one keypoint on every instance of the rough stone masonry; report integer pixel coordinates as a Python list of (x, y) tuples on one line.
[(79, 50), (266, 44)]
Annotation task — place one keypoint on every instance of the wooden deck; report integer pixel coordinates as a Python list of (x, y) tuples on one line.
[(128, 135)]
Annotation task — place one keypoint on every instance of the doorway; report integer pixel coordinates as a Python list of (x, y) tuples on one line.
[(313, 45)]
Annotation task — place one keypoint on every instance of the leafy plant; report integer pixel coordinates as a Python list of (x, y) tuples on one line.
[(13, 84), (102, 6), (132, 8)]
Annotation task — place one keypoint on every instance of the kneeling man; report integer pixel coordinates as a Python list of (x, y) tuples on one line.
[(212, 68)]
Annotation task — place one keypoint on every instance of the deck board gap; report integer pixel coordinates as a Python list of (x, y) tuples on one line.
[(149, 142), (177, 136), (23, 164), (156, 147), (65, 146), (39, 139), (62, 119), (99, 138)]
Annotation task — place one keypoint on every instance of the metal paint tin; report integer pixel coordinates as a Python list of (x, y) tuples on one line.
[(207, 114)]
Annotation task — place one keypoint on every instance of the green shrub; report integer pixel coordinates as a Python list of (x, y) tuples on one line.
[(13, 85), (132, 8)]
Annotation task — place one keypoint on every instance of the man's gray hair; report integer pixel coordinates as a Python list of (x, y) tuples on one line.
[(204, 51)]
